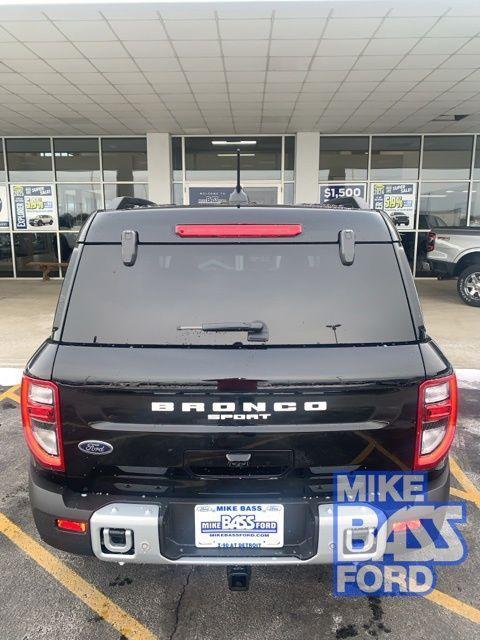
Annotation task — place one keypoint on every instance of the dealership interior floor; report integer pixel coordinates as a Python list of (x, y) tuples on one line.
[(27, 308)]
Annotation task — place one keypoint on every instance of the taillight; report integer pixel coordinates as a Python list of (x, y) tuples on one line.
[(436, 421), (77, 526), (238, 230), (431, 240), (41, 422)]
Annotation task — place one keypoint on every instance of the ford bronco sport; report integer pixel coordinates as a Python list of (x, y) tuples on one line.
[(210, 369)]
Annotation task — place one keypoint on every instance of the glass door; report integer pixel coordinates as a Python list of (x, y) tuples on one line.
[(219, 194)]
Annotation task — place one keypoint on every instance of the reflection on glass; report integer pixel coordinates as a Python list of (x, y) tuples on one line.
[(215, 158), (408, 242), (289, 167), (32, 250), (29, 160), (124, 159), (262, 195), (177, 165), (476, 167), (288, 192), (343, 158), (447, 157), (423, 266), (2, 166), (395, 158), (77, 159), (76, 202), (443, 204), (67, 244), (116, 190), (475, 205), (177, 193), (6, 266)]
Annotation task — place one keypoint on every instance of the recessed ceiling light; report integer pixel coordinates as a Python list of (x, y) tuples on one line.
[(451, 117), (234, 142)]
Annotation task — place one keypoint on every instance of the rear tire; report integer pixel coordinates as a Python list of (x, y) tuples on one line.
[(468, 285)]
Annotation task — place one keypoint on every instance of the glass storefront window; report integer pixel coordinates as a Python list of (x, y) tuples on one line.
[(177, 193), (6, 266), (288, 192), (423, 266), (289, 168), (76, 202), (408, 242), (177, 163), (77, 159), (215, 158), (447, 157), (476, 165), (29, 160), (124, 159), (443, 204), (67, 244), (116, 190), (343, 158), (262, 195), (475, 205), (34, 247), (2, 165), (395, 158)]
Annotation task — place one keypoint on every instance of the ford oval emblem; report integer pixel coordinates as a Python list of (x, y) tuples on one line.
[(95, 447)]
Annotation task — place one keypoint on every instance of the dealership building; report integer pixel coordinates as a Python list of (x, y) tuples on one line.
[(152, 99)]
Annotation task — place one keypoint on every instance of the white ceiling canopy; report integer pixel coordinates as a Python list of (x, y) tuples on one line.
[(239, 67)]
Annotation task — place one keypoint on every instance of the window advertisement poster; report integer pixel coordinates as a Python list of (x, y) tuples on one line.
[(397, 199), (4, 217), (34, 207), (209, 195), (330, 191)]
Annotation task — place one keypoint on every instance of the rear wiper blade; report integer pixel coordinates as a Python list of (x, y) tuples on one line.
[(257, 330)]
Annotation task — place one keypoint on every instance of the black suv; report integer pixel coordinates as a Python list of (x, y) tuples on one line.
[(210, 369)]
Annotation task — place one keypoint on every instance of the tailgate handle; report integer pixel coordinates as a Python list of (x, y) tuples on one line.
[(346, 241), (238, 457)]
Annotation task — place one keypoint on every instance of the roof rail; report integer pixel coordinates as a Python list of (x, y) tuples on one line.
[(129, 202)]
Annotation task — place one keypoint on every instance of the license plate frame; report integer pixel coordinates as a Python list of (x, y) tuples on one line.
[(246, 526)]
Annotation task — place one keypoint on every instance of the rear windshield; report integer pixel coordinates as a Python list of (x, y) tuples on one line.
[(302, 293)]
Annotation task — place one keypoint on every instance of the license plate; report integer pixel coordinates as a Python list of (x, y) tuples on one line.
[(238, 526)]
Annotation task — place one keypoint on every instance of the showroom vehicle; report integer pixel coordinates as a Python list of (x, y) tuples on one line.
[(41, 220), (454, 252), (210, 368)]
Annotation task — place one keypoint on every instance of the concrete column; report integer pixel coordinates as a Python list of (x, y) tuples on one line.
[(307, 149), (159, 168)]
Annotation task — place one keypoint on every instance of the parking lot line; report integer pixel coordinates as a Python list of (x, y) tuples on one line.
[(459, 493), (125, 624), (470, 489), (11, 393), (454, 605)]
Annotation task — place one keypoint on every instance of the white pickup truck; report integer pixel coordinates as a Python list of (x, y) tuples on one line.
[(455, 253)]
